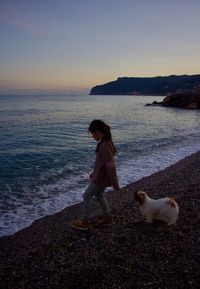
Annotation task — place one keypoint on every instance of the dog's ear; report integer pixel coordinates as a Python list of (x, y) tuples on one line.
[(141, 197), (136, 195)]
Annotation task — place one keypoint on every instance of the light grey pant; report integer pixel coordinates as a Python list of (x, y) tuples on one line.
[(97, 192)]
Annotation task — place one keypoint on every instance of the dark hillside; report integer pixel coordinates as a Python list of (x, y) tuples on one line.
[(160, 85)]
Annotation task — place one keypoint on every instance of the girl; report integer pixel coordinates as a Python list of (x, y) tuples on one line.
[(104, 175)]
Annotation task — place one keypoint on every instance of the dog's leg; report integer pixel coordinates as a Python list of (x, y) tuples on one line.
[(171, 223), (149, 218)]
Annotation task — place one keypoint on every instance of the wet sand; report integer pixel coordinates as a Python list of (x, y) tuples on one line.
[(129, 254)]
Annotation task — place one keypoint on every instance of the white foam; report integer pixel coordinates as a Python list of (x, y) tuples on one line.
[(138, 168), (44, 200), (51, 198)]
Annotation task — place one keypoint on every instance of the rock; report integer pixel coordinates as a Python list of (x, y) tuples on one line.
[(154, 103), (187, 100), (192, 105)]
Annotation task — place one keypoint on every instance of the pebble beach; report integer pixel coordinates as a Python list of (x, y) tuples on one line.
[(129, 254)]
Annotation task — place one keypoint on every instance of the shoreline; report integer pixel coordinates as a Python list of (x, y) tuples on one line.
[(50, 254), (180, 154)]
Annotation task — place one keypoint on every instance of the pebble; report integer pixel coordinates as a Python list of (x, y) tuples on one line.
[(129, 254)]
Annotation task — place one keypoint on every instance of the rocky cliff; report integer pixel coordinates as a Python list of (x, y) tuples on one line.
[(189, 100)]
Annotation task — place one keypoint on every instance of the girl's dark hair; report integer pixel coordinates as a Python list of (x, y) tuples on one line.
[(100, 125)]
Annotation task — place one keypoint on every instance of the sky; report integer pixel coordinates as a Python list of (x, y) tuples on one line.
[(73, 45)]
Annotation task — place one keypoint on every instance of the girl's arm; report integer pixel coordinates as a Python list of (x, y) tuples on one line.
[(108, 159), (112, 174)]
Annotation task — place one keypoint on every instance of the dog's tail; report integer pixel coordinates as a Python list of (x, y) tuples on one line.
[(172, 202)]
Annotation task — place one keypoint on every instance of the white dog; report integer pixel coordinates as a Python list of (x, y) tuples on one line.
[(165, 209)]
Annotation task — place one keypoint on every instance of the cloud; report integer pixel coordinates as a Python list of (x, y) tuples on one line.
[(20, 16), (8, 83)]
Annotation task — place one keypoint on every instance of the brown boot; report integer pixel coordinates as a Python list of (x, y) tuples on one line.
[(106, 220), (80, 225)]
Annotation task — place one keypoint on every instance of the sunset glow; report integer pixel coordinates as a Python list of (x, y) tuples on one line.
[(70, 45)]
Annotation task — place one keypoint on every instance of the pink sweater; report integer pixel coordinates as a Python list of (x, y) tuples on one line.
[(104, 174)]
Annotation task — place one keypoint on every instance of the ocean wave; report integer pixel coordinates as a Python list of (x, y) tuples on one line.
[(46, 153)]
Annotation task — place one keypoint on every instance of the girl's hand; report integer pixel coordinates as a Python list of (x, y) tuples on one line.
[(117, 189), (91, 175)]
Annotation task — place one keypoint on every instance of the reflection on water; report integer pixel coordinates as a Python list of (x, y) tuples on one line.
[(46, 152)]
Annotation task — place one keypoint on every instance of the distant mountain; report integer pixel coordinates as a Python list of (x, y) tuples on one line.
[(160, 85)]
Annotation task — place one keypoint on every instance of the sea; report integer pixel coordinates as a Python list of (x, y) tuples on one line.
[(47, 154)]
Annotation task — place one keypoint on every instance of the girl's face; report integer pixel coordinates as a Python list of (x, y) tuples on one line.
[(97, 135)]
